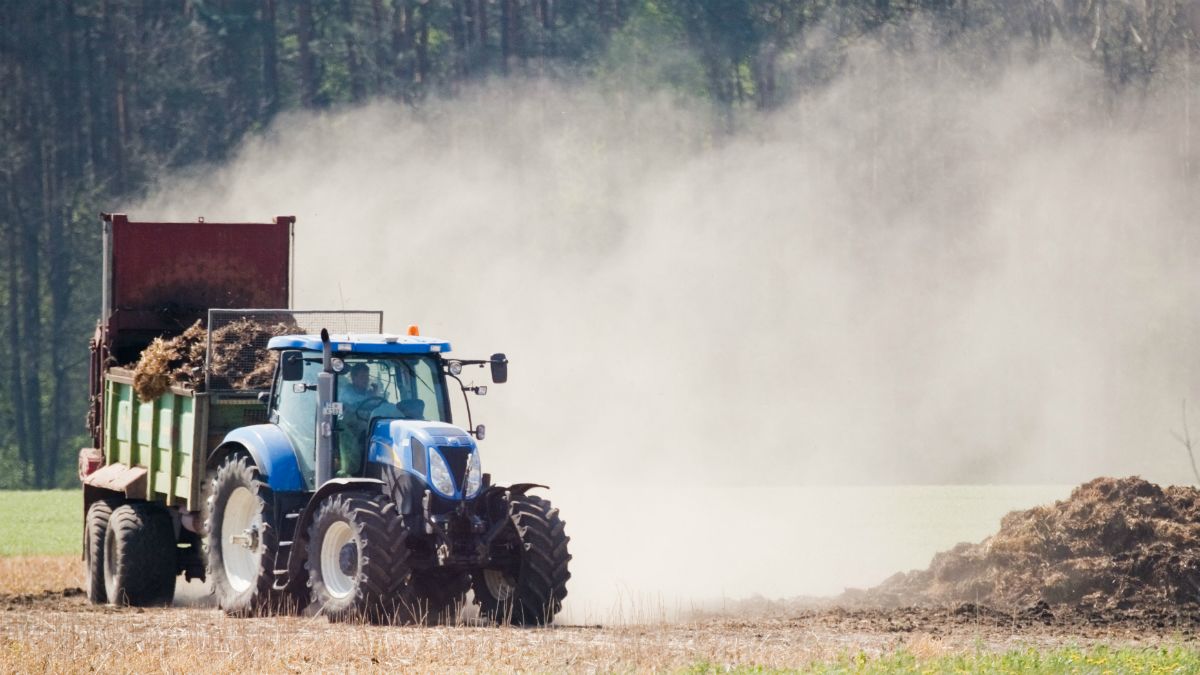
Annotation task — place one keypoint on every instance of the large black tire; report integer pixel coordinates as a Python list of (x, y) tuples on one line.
[(357, 560), (439, 595), (139, 556), (530, 591), (95, 525), (242, 540)]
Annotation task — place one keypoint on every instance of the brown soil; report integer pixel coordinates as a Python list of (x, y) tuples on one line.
[(1115, 547), (240, 358)]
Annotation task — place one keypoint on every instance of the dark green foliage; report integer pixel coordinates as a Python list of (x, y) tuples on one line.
[(101, 96)]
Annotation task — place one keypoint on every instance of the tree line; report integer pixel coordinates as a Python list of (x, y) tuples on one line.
[(101, 96)]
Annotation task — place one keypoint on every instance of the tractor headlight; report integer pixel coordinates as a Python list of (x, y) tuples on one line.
[(474, 476), (439, 473)]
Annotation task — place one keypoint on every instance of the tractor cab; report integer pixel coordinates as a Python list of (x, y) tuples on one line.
[(389, 409)]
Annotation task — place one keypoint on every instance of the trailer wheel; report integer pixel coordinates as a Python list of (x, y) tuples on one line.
[(139, 556), (242, 539), (95, 527), (439, 596), (357, 560), (529, 590)]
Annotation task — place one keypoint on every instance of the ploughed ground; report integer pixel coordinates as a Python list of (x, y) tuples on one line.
[(1114, 564)]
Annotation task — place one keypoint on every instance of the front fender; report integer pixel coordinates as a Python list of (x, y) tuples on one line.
[(272, 451)]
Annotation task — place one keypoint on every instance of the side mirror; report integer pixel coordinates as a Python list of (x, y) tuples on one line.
[(264, 397), (291, 365), (499, 368)]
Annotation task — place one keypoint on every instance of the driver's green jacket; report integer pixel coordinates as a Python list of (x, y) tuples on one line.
[(352, 440)]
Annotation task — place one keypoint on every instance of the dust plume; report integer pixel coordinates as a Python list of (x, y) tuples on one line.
[(912, 275)]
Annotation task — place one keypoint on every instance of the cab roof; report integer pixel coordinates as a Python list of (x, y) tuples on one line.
[(363, 343)]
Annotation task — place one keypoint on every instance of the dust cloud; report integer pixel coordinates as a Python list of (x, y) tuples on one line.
[(913, 275)]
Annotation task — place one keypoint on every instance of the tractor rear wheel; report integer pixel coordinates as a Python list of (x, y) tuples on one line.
[(357, 560), (95, 527), (242, 540), (139, 556), (530, 589)]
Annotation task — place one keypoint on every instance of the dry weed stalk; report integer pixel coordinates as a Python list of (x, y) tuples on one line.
[(1186, 440)]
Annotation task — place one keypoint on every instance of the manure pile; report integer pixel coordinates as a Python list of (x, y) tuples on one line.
[(179, 360), (240, 359), (1113, 545)]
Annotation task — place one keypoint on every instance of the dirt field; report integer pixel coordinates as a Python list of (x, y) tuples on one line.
[(46, 624)]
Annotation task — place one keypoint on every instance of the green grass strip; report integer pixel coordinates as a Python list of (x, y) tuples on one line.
[(41, 522), (1098, 660)]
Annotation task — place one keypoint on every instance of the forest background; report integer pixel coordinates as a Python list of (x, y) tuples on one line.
[(100, 98)]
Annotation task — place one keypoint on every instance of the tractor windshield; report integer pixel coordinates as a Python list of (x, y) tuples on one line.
[(408, 387)]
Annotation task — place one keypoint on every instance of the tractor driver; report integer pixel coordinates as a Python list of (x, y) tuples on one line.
[(353, 394)]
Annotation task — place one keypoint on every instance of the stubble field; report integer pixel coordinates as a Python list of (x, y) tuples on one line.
[(47, 625)]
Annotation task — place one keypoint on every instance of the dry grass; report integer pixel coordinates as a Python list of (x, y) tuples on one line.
[(21, 575), (186, 640), (41, 630)]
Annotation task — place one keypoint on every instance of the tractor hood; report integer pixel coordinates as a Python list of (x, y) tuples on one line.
[(441, 455)]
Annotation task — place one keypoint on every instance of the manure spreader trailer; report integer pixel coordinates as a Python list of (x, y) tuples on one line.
[(340, 483)]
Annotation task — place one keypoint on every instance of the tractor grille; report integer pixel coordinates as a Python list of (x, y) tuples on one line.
[(457, 458)]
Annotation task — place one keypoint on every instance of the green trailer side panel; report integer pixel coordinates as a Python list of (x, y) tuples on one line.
[(167, 436)]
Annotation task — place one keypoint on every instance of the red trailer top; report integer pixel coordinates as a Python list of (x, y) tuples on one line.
[(192, 267), (160, 277)]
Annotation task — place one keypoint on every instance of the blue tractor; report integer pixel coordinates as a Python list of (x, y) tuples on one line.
[(289, 469), (361, 498)]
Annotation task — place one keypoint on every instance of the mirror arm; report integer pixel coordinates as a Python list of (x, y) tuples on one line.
[(466, 400)]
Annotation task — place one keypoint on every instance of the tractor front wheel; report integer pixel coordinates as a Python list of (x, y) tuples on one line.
[(530, 588)]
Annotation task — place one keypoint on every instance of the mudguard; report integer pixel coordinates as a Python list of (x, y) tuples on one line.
[(272, 452), (522, 488)]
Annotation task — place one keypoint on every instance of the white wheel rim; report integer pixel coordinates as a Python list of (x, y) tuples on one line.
[(242, 515), (499, 584), (337, 536)]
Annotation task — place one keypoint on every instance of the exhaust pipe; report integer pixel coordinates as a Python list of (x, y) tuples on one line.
[(326, 381)]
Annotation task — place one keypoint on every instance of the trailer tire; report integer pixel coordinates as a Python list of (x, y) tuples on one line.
[(95, 526), (242, 572), (531, 590), (357, 560), (139, 556)]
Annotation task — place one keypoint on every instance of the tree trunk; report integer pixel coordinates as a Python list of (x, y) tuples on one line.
[(402, 46), (422, 13), (270, 60), (30, 354), (308, 63), (382, 62), (481, 14), (16, 377), (509, 34), (353, 62)]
